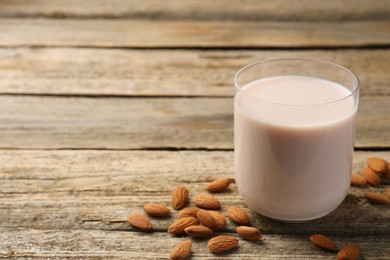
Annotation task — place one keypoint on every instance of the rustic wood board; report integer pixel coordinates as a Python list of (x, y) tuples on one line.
[(190, 34), (287, 10), (117, 72), (137, 123)]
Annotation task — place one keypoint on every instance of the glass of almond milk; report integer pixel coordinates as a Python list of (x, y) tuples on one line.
[(294, 124)]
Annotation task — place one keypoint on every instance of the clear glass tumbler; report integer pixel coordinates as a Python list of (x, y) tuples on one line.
[(294, 127)]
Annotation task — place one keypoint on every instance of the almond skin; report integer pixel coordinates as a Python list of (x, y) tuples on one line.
[(156, 210), (376, 197), (358, 180), (248, 233), (187, 212), (218, 185), (220, 220), (206, 219), (237, 215), (323, 242), (139, 221), (350, 252), (371, 177), (198, 231), (387, 174), (222, 243), (206, 201), (177, 227), (179, 197), (376, 164), (181, 251)]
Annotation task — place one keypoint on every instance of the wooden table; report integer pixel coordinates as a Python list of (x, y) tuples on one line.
[(107, 105)]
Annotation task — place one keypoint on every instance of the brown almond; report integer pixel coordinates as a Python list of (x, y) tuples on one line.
[(376, 164), (177, 227), (358, 180), (248, 233), (156, 210), (218, 185), (388, 192), (222, 243), (139, 221), (187, 212), (237, 215), (206, 219), (220, 220), (387, 174), (179, 197), (376, 197), (323, 242), (181, 251), (350, 252), (206, 201), (198, 231), (371, 177)]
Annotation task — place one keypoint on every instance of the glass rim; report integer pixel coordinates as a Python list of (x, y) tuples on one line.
[(356, 83)]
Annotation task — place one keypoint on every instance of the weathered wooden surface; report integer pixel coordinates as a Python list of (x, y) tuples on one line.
[(137, 123), (191, 34), (296, 10), (75, 204), (99, 72)]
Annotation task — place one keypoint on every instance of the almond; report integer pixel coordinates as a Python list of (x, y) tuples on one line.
[(376, 197), (237, 215), (371, 177), (181, 251), (376, 164), (222, 243), (323, 242), (177, 227), (179, 198), (206, 201), (248, 233), (140, 221), (156, 210), (350, 252), (387, 174), (206, 219), (218, 185), (220, 220), (388, 192), (198, 231), (187, 212), (358, 180)]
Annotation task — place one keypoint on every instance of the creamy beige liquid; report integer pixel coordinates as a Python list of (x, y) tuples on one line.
[(293, 161)]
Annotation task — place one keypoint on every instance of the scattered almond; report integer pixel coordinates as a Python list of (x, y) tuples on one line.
[(218, 185), (371, 177), (376, 164), (206, 219), (350, 252), (358, 180), (220, 220), (139, 221), (198, 231), (177, 227), (222, 243), (187, 212), (156, 210), (237, 215), (179, 197), (206, 201), (323, 242), (181, 251), (248, 233), (376, 197)]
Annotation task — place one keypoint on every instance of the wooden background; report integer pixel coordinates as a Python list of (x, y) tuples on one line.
[(107, 105)]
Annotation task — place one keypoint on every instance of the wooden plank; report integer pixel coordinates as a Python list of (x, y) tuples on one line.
[(191, 34), (137, 123), (289, 10), (96, 190), (96, 244), (116, 72)]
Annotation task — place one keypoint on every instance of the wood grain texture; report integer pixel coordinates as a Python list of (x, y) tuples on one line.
[(99, 72), (295, 10), (137, 123), (191, 34)]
